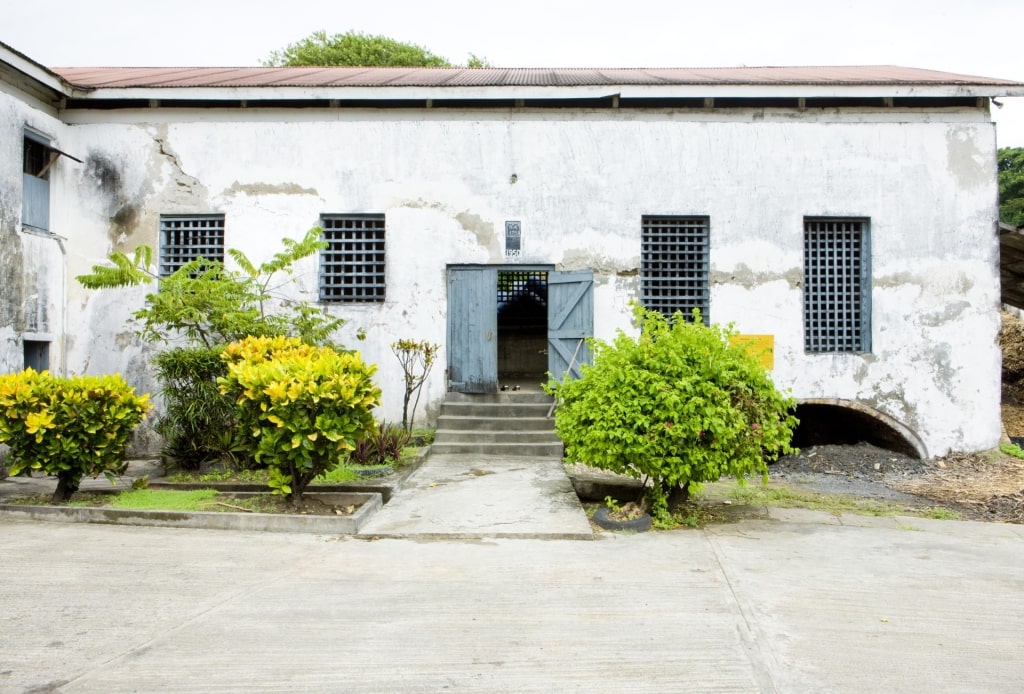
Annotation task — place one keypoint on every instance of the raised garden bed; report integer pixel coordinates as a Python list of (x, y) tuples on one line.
[(333, 523)]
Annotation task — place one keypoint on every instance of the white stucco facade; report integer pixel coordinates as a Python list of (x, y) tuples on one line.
[(579, 181), (32, 261)]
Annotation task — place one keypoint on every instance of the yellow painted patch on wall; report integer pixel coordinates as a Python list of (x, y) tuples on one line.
[(761, 346)]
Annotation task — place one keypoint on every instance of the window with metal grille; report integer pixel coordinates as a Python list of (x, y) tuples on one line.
[(352, 265), (184, 238), (837, 306), (523, 285), (675, 265)]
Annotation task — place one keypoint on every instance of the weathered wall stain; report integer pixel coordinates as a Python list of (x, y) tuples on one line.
[(601, 264), (104, 175), (747, 278), (950, 312), (269, 189), (12, 261), (968, 164), (941, 283), (482, 230)]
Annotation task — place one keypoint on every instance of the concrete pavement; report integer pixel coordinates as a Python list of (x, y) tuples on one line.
[(778, 605), (452, 496), (468, 580)]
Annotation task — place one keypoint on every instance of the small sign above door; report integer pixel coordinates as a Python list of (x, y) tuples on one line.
[(513, 239)]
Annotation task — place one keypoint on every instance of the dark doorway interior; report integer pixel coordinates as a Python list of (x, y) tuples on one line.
[(522, 327), (37, 355), (836, 425)]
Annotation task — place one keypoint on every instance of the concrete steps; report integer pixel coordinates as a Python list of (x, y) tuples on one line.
[(508, 424)]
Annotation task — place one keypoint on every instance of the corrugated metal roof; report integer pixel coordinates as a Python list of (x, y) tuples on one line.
[(167, 77)]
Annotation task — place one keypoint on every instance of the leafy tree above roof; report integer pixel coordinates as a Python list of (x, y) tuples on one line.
[(355, 49)]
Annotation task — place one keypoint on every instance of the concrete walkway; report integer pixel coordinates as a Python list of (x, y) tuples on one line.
[(465, 497)]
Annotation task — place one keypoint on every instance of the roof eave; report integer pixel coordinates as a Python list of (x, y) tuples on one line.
[(422, 93), (33, 70)]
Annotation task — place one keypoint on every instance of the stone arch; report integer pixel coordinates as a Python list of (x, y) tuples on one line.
[(837, 421)]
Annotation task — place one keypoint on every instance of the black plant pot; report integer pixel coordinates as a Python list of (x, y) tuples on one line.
[(636, 525)]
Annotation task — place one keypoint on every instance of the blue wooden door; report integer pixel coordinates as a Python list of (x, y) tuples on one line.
[(570, 321), (473, 330)]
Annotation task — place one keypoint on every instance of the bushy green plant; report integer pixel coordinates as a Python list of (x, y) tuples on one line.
[(382, 446), (304, 407), (69, 427), (199, 423), (678, 405)]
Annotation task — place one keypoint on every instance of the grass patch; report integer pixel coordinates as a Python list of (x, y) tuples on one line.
[(940, 513), (1012, 449), (837, 504), (691, 517), (424, 435), (165, 499), (409, 455), (338, 475)]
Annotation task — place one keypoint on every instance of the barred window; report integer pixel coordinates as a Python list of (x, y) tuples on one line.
[(675, 265), (352, 265), (837, 304), (184, 238)]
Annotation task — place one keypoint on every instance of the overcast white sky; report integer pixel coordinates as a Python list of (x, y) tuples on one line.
[(979, 37)]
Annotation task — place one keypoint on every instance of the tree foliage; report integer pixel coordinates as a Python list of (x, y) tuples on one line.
[(199, 423), (1011, 185), (355, 49), (677, 406), (417, 358), (212, 304)]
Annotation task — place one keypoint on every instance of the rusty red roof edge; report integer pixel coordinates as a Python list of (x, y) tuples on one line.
[(89, 78)]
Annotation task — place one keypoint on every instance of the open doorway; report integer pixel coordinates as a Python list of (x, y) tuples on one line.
[(536, 318), (522, 328)]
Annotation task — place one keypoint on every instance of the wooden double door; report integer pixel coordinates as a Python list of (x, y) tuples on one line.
[(473, 306)]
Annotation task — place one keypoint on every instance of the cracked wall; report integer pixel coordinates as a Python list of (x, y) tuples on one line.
[(579, 185)]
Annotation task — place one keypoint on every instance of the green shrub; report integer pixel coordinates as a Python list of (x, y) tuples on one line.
[(305, 407), (677, 406), (199, 423), (382, 446), (68, 427)]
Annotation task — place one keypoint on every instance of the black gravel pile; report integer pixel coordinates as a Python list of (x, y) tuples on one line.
[(859, 461)]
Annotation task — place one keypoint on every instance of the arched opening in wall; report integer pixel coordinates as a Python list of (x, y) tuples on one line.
[(844, 422)]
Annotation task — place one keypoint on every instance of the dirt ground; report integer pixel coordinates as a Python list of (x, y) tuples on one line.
[(985, 486)]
